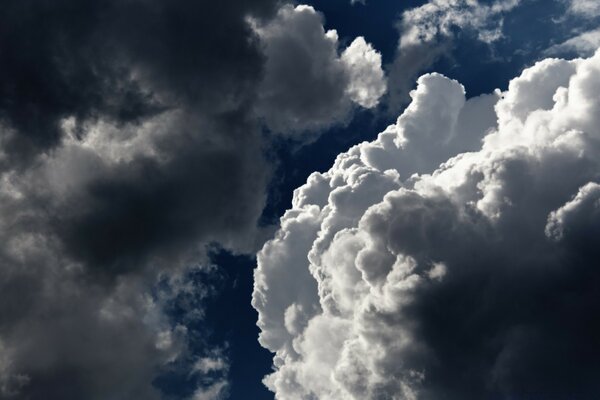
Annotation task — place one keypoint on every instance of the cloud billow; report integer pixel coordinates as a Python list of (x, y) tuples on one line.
[(453, 257), (308, 85)]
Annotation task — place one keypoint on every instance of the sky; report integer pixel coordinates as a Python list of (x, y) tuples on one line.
[(320, 200)]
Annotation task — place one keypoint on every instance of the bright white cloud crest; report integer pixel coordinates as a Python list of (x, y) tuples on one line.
[(426, 262)]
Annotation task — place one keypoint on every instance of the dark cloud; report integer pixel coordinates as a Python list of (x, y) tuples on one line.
[(121, 60), (129, 144), (205, 192)]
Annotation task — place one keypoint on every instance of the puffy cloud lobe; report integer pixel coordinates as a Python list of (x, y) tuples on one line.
[(308, 85), (576, 217), (367, 81), (130, 141), (473, 278), (584, 8)]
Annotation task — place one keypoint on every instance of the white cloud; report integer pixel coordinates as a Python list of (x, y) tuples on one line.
[(585, 8), (584, 44), (438, 17), (393, 276), (307, 84), (212, 370)]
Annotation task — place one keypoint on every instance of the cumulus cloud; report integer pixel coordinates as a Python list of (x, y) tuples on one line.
[(453, 257), (308, 84), (427, 33), (86, 232)]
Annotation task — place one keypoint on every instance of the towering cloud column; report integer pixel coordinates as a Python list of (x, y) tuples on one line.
[(454, 257)]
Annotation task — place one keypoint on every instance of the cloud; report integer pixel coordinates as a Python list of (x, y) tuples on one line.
[(129, 145), (97, 66), (308, 85), (453, 257), (367, 81), (427, 33), (584, 8), (438, 17), (213, 369), (214, 392), (583, 44)]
